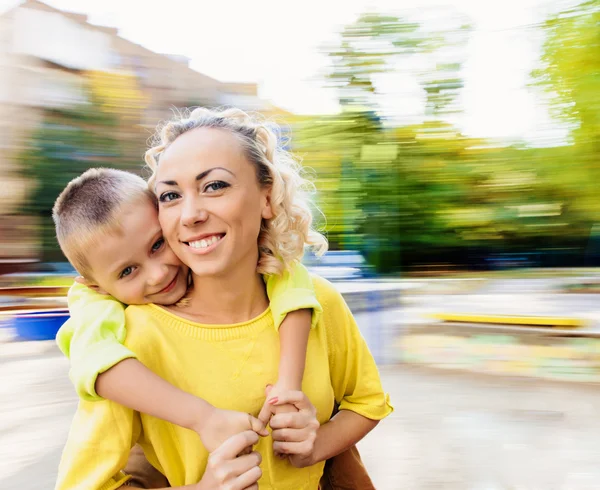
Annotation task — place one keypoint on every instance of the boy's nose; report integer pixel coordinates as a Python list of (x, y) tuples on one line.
[(158, 275)]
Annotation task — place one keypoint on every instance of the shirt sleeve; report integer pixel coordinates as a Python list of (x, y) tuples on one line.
[(100, 439), (92, 338), (290, 291), (354, 374)]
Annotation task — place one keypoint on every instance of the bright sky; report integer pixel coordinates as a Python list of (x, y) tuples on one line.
[(277, 44)]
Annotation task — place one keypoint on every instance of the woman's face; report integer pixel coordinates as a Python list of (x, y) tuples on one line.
[(211, 205)]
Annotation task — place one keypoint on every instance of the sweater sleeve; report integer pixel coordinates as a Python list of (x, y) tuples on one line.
[(92, 338), (101, 437), (290, 291), (354, 374)]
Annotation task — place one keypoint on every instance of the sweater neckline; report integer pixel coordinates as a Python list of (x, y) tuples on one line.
[(213, 332)]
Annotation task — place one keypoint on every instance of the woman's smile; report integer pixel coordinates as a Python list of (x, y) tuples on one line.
[(205, 244)]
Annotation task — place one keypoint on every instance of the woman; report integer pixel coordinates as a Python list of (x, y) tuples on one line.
[(231, 208)]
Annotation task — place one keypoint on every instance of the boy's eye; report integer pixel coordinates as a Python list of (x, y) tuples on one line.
[(125, 272), (158, 244), (168, 196), (217, 185)]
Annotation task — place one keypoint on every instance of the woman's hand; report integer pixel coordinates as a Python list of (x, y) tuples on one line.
[(221, 424), (226, 470), (294, 433)]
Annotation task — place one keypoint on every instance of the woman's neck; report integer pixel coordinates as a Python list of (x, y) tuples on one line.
[(216, 300)]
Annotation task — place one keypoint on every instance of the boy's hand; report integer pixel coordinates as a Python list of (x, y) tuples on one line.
[(269, 409), (221, 424)]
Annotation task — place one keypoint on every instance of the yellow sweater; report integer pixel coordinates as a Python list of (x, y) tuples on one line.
[(229, 366), (92, 338)]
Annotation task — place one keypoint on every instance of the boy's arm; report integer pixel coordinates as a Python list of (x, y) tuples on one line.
[(92, 338), (293, 301), (293, 339), (103, 367), (133, 385), (292, 290)]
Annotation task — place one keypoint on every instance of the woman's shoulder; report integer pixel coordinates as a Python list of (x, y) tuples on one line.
[(326, 292), (140, 317), (139, 310)]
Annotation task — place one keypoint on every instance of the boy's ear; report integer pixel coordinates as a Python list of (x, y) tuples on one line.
[(90, 284)]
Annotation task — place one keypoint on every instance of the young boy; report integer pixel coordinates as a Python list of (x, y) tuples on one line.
[(107, 226)]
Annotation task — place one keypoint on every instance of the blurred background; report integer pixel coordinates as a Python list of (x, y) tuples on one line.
[(455, 150)]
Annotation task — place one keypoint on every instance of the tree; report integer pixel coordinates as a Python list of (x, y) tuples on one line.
[(367, 47), (66, 144), (570, 75), (570, 71)]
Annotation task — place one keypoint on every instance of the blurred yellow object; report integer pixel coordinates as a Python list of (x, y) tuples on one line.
[(538, 321), (35, 291)]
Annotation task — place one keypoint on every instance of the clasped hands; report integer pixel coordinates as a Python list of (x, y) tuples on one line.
[(229, 437)]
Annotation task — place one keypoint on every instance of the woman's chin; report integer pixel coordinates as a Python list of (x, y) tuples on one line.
[(206, 268)]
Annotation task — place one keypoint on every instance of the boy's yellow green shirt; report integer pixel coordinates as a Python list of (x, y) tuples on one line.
[(93, 337)]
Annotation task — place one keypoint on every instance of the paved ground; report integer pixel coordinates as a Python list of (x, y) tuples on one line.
[(449, 431)]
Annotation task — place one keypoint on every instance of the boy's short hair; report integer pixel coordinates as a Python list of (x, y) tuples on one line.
[(90, 208)]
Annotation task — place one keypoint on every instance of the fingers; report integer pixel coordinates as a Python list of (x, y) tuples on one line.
[(248, 450), (240, 465), (234, 445), (283, 409), (233, 473), (292, 448), (265, 413), (258, 425), (248, 479), (288, 435), (290, 420), (296, 398)]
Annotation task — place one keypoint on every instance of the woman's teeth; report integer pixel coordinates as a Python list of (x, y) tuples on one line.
[(205, 242)]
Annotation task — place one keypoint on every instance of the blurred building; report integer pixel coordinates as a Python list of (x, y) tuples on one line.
[(49, 59)]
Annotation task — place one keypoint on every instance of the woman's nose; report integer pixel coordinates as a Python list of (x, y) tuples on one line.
[(193, 213)]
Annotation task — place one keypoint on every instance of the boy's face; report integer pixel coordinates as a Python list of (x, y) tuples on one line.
[(135, 265)]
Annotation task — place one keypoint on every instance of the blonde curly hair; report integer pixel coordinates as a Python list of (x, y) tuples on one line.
[(282, 239)]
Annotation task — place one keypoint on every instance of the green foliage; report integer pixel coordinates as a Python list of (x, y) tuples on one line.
[(570, 70), (570, 75), (428, 194), (367, 47), (67, 143)]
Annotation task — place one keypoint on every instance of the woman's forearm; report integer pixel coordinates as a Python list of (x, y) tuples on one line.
[(343, 431)]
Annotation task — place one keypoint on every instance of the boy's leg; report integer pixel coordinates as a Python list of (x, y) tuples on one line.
[(345, 471), (143, 474)]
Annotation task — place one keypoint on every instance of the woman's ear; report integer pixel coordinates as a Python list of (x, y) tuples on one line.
[(90, 284), (267, 210)]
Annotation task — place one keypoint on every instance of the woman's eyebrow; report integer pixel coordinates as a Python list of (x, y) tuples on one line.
[(199, 177)]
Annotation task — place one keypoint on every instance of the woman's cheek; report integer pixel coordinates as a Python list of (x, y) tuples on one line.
[(165, 218)]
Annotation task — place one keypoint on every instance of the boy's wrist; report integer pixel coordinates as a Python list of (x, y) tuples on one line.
[(202, 412), (288, 384)]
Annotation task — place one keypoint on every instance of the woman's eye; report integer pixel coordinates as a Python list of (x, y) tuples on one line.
[(217, 185), (158, 245), (168, 196), (125, 272)]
